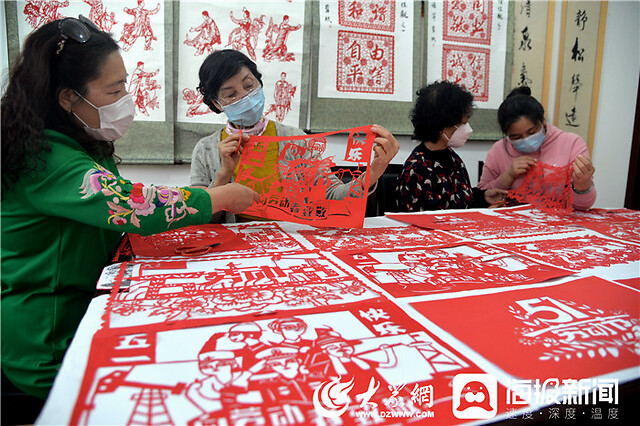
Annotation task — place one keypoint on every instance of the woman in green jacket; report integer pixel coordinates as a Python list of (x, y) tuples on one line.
[(64, 205)]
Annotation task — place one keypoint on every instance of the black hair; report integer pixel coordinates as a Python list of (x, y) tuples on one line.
[(219, 67), (518, 104), (439, 105), (30, 103)]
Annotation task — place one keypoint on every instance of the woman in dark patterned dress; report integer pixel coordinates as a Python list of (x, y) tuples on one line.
[(434, 176)]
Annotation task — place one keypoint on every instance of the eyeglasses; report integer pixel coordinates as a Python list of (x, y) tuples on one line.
[(78, 30), (230, 100)]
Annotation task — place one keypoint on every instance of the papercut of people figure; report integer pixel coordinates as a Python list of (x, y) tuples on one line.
[(207, 35), (98, 14), (283, 94), (246, 35), (231, 83), (140, 27), (277, 41)]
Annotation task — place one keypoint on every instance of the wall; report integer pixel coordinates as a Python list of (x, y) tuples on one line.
[(615, 118)]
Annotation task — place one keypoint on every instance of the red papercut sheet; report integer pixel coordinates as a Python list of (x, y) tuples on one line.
[(299, 188), (584, 328), (576, 252), (189, 241), (413, 272), (364, 239), (227, 285), (468, 21), (454, 221), (266, 238), (281, 369), (365, 62), (587, 219), (377, 15), (468, 67), (546, 187), (632, 282)]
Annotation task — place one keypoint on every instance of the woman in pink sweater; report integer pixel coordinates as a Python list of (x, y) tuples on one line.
[(530, 139)]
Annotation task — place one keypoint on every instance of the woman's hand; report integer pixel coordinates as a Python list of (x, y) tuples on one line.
[(385, 148), (230, 150), (232, 197), (495, 196), (519, 166), (582, 175)]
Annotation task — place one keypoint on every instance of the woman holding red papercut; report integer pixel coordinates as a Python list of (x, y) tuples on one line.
[(64, 204), (231, 83), (529, 139)]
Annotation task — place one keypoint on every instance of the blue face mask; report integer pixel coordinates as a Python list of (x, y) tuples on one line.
[(530, 143), (247, 111)]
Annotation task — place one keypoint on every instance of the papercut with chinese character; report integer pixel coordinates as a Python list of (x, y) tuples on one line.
[(208, 238), (359, 240), (468, 266), (546, 187), (301, 186), (226, 285), (468, 21), (377, 15), (273, 369), (583, 328), (365, 62)]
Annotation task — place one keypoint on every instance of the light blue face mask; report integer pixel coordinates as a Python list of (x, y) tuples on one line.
[(247, 111), (530, 143)]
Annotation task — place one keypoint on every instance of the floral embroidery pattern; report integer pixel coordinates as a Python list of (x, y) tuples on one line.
[(139, 201)]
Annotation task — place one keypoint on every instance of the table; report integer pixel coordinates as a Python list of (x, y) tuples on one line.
[(506, 312)]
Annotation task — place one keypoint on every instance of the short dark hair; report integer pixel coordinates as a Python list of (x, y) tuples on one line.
[(439, 105), (518, 104), (219, 67)]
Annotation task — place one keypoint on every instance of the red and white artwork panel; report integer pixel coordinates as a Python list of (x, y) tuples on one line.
[(366, 50), (467, 43), (227, 285), (272, 37), (282, 368), (468, 266), (364, 239), (583, 328), (137, 26)]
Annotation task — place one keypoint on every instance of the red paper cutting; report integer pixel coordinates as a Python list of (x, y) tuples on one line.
[(140, 27), (273, 369), (168, 243), (365, 63), (359, 240), (632, 282), (377, 15), (464, 221), (413, 272), (546, 187), (468, 67), (584, 328), (468, 21), (300, 193)]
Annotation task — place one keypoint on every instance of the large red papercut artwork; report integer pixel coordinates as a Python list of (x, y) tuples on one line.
[(273, 369), (143, 88), (99, 15), (298, 188), (195, 103), (282, 95), (210, 238), (575, 252), (229, 285), (245, 36), (464, 221), (205, 36), (140, 27), (377, 15), (468, 67), (358, 240), (39, 12), (468, 266), (365, 63), (546, 187), (467, 21), (584, 328), (276, 43)]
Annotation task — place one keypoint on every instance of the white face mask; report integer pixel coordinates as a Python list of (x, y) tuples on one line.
[(460, 136), (115, 118)]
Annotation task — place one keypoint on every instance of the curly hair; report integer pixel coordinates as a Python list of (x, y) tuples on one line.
[(518, 104), (30, 103), (439, 105), (219, 67)]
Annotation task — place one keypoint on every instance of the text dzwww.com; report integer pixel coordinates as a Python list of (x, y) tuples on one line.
[(394, 414)]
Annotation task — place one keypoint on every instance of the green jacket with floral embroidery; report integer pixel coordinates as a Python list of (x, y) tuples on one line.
[(60, 227)]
